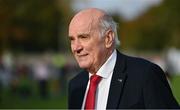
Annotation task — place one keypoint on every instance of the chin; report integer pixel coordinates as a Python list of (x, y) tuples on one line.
[(82, 65)]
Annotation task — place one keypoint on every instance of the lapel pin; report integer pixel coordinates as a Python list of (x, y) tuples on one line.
[(120, 80)]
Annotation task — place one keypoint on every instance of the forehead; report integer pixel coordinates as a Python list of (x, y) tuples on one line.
[(81, 23), (84, 23)]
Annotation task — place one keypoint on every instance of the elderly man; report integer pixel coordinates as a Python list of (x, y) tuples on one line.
[(111, 80)]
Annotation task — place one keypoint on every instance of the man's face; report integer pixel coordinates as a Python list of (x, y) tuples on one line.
[(86, 44)]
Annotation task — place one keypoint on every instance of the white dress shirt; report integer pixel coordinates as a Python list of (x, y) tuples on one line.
[(102, 91)]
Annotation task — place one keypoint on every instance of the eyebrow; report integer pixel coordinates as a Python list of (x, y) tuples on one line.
[(81, 34)]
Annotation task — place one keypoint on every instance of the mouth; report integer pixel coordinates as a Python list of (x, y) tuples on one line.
[(82, 55)]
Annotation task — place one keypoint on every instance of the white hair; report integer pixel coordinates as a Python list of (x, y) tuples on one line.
[(107, 22)]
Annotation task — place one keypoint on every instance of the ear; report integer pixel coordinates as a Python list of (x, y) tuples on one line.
[(109, 38)]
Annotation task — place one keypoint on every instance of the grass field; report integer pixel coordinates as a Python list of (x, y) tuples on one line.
[(59, 101), (34, 103), (175, 86), (16, 100)]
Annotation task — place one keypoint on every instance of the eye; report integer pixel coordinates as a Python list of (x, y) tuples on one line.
[(84, 36), (71, 38)]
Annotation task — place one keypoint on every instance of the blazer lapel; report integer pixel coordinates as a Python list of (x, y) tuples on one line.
[(117, 82)]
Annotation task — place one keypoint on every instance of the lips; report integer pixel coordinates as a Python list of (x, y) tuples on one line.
[(82, 55)]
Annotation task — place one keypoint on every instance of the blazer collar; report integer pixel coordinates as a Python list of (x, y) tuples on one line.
[(117, 82)]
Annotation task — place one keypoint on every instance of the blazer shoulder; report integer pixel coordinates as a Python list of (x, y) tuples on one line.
[(132, 59), (139, 62), (140, 66), (83, 74), (145, 70)]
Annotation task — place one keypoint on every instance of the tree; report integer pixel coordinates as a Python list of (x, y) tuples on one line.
[(155, 30), (33, 25)]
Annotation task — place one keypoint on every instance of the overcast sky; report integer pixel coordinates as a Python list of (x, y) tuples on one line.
[(128, 9)]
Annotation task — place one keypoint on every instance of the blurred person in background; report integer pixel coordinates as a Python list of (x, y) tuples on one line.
[(24, 83), (5, 73), (41, 72), (1, 74), (110, 79)]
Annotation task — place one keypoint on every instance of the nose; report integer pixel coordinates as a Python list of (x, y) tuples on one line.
[(77, 47)]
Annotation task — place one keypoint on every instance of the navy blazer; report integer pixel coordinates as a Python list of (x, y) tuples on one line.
[(136, 83)]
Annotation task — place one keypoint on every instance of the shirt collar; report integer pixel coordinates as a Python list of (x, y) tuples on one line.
[(108, 67)]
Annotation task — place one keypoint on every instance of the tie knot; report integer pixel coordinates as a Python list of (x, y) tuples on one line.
[(95, 79)]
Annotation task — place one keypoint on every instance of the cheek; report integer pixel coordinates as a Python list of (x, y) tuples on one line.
[(99, 53), (94, 55)]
